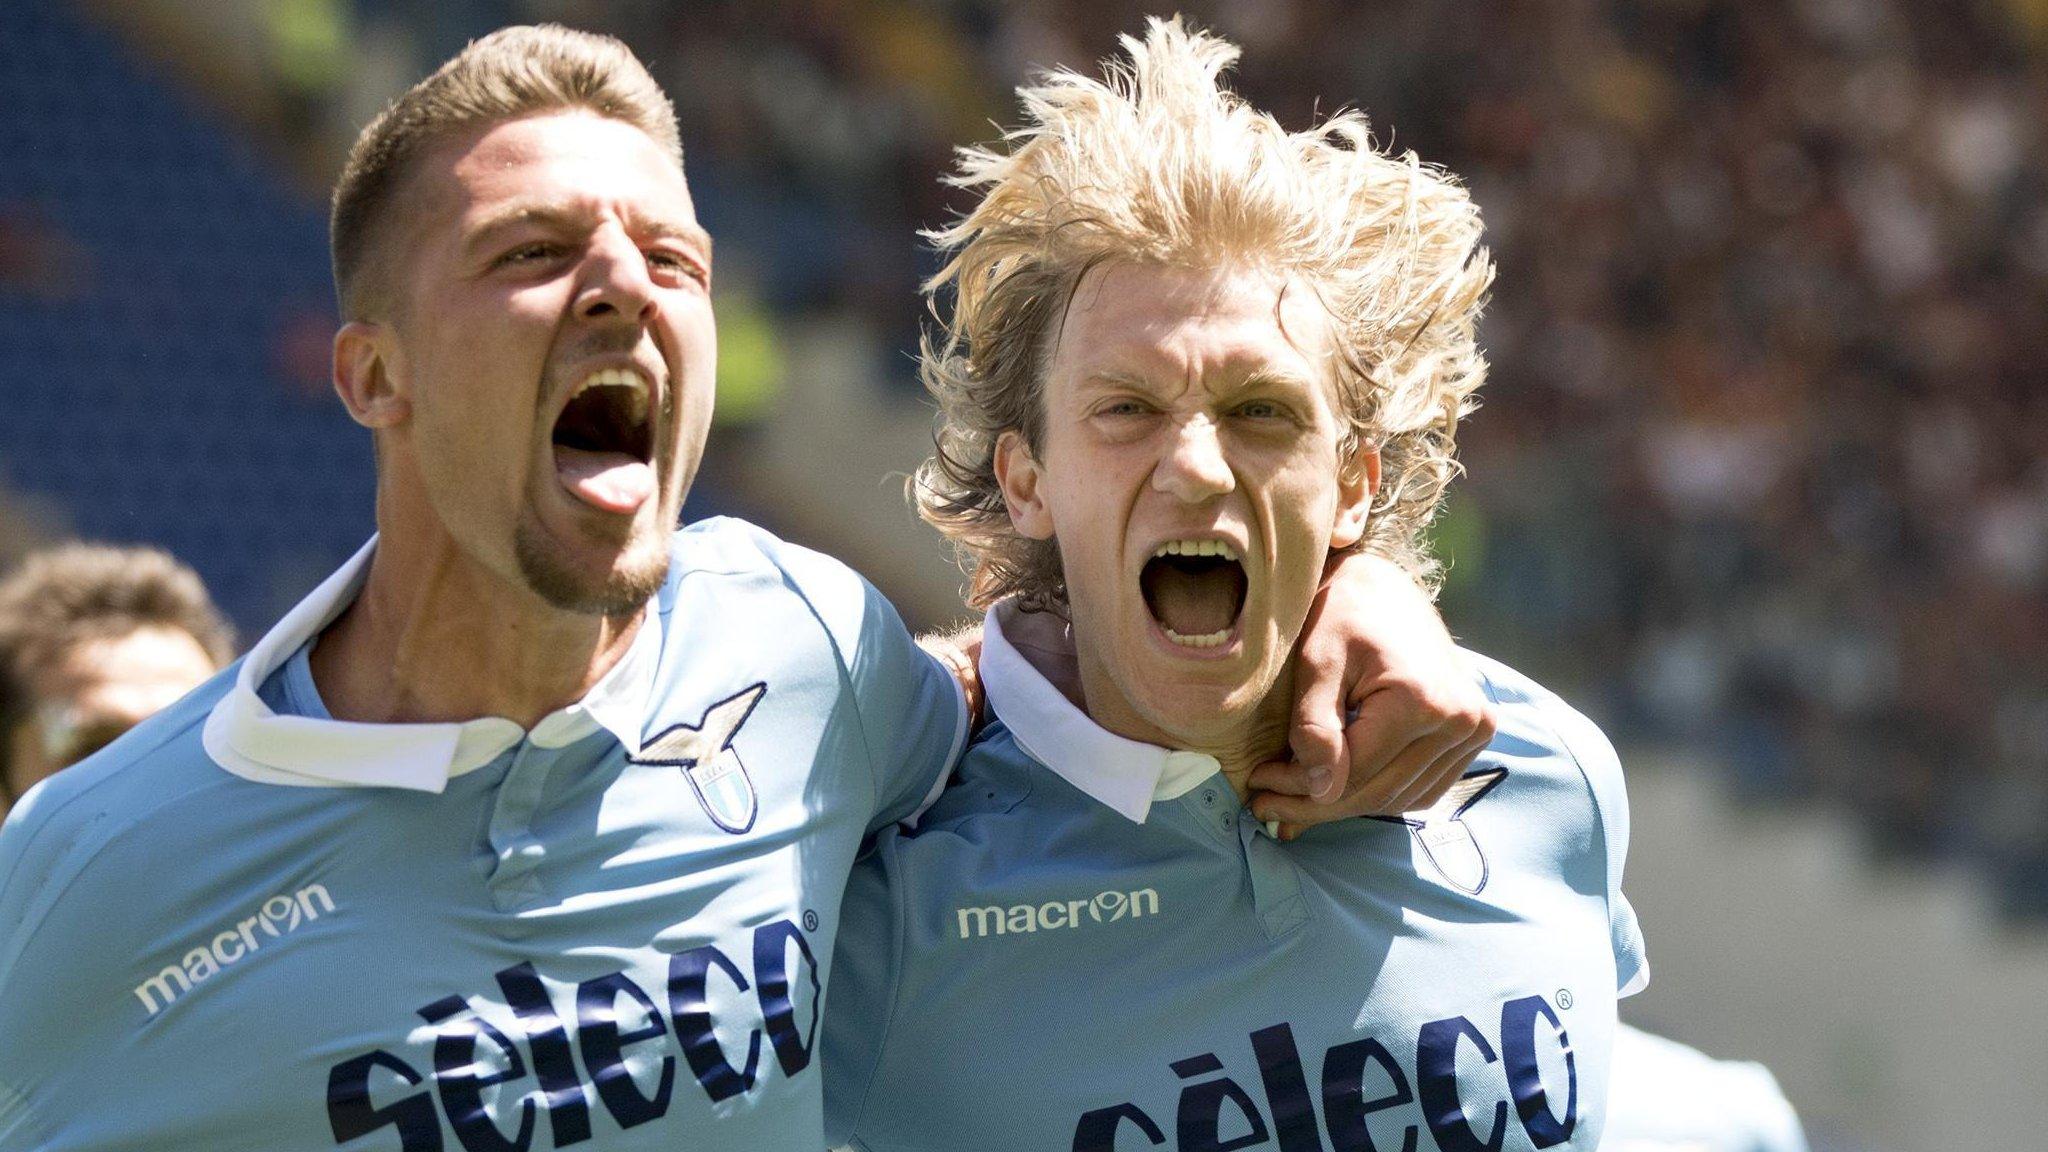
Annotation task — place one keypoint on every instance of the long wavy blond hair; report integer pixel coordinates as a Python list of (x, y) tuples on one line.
[(1159, 163)]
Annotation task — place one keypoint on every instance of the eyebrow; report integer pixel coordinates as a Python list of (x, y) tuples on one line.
[(517, 215), (1237, 382)]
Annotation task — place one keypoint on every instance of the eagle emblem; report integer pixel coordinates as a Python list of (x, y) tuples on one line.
[(1445, 837), (712, 765)]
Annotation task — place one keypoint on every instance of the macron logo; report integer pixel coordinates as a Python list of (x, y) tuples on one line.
[(279, 916), (1021, 919)]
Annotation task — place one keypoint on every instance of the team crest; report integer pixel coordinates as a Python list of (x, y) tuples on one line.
[(705, 753), (1445, 837)]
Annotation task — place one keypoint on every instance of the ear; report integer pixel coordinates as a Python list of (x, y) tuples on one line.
[(369, 375), (1358, 480), (1019, 474)]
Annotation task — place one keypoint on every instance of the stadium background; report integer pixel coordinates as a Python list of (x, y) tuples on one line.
[(1761, 480)]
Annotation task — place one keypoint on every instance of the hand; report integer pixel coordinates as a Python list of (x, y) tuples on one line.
[(960, 651), (1375, 649)]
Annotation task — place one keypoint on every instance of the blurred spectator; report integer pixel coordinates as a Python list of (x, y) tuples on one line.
[(94, 640)]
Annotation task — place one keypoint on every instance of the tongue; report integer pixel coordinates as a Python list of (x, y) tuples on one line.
[(1194, 603), (607, 481)]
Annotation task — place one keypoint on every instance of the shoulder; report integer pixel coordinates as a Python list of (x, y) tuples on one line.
[(989, 829), (726, 550), (994, 779), (106, 804), (1536, 723), (158, 761), (725, 546), (992, 816)]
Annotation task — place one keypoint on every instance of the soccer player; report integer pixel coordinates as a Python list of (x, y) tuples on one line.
[(528, 827), (1188, 356), (1667, 1097), (93, 640)]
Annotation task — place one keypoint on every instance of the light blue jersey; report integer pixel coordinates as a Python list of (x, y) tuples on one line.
[(248, 926), (1088, 944), (1667, 1097)]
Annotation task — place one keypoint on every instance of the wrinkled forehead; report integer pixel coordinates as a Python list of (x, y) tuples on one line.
[(1194, 322)]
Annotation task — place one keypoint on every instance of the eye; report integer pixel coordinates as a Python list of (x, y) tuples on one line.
[(533, 253), (1262, 410), (1123, 406), (669, 263)]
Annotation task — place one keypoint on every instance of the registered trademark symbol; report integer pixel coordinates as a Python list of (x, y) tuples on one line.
[(1564, 996), (811, 925)]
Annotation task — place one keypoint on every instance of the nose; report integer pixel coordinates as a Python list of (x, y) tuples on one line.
[(615, 282), (1194, 468)]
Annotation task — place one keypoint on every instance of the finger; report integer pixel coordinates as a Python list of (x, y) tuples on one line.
[(1297, 811), (1303, 810), (1417, 777), (1376, 741), (1449, 770), (1412, 770), (1436, 762), (1316, 733), (1290, 777), (1307, 812)]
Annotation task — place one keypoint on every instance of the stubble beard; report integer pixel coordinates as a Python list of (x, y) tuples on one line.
[(620, 592)]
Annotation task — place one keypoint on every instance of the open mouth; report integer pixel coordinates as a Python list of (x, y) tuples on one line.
[(1195, 589), (604, 441)]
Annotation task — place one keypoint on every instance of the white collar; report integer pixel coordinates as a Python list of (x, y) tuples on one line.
[(248, 738), (1128, 776)]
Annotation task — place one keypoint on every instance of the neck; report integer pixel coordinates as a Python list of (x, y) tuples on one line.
[(435, 638), (1240, 741)]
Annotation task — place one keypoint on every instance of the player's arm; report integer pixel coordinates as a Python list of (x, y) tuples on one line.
[(912, 709), (1387, 715), (53, 960)]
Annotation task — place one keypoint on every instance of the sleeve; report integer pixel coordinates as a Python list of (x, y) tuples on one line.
[(28, 874), (912, 711), (17, 1126), (861, 996), (1602, 769), (15, 1123), (1776, 1122)]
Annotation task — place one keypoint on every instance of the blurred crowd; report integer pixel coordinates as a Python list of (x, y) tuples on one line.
[(1763, 461)]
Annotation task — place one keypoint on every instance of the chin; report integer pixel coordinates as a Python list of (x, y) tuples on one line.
[(1195, 708), (609, 586)]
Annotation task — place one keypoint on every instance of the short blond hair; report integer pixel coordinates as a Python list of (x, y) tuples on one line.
[(509, 74), (1158, 163)]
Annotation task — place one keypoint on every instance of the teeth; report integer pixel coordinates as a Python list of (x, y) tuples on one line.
[(1214, 639), (1197, 548), (641, 394)]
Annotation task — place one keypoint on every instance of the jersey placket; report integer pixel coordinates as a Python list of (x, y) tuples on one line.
[(1275, 881), (514, 881)]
